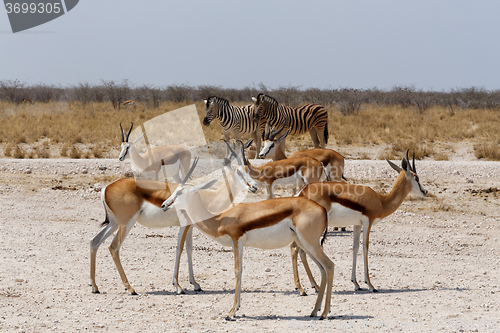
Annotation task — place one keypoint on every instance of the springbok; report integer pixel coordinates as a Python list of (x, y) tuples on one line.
[(293, 172), (173, 158), (359, 206), (127, 201), (332, 161), (129, 102), (266, 224)]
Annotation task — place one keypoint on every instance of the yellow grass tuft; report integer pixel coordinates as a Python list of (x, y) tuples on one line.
[(489, 151)]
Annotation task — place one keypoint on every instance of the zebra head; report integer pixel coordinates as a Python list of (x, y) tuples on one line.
[(212, 105), (261, 105)]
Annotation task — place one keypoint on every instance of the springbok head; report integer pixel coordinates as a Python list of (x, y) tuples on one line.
[(271, 143), (126, 145), (240, 169), (181, 192), (410, 174)]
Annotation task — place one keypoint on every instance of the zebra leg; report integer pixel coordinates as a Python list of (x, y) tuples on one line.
[(256, 139), (322, 138), (314, 137), (226, 137)]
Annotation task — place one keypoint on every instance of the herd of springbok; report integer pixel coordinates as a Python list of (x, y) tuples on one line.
[(322, 197)]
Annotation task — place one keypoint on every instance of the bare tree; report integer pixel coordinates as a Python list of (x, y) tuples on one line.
[(117, 93), (14, 91)]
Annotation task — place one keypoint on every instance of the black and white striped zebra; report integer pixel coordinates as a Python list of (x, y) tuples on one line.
[(311, 118), (234, 120)]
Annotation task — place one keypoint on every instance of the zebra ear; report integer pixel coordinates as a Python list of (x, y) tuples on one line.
[(205, 101), (254, 99)]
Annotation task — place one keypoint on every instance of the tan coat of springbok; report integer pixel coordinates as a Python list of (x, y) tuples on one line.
[(361, 207), (332, 161), (290, 173), (268, 224), (127, 201), (174, 159)]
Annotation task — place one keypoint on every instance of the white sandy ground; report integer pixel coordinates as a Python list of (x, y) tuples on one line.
[(435, 261)]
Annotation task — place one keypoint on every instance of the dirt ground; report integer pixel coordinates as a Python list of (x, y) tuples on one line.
[(436, 261)]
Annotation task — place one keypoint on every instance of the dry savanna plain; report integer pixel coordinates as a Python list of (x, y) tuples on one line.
[(435, 261)]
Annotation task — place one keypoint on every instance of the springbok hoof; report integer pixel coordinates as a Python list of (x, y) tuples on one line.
[(230, 318)]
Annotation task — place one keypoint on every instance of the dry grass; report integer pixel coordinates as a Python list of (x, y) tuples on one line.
[(92, 131), (487, 150)]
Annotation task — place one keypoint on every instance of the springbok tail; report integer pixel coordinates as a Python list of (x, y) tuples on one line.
[(323, 238)]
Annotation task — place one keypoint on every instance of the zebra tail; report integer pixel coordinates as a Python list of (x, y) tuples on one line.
[(326, 131)]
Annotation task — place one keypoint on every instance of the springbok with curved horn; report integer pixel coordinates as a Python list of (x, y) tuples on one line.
[(174, 159), (293, 172), (266, 224), (361, 207), (332, 161), (127, 201)]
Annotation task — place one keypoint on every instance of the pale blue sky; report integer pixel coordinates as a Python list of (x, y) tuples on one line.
[(433, 45)]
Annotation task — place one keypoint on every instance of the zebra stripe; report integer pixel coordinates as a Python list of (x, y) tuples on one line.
[(301, 119), (232, 118)]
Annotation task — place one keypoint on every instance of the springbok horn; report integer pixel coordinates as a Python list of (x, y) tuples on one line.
[(407, 163), (268, 130), (274, 133), (414, 169), (121, 129), (243, 152), (140, 137), (188, 175), (130, 130), (232, 151)]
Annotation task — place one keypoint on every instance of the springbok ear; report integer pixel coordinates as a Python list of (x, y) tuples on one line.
[(248, 143), (204, 186), (394, 166), (139, 138), (406, 168), (404, 164), (254, 99), (284, 135)]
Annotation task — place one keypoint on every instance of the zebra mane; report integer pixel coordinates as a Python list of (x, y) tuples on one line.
[(217, 100), (266, 98)]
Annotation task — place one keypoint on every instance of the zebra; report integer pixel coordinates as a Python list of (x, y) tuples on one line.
[(234, 120), (309, 117)]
